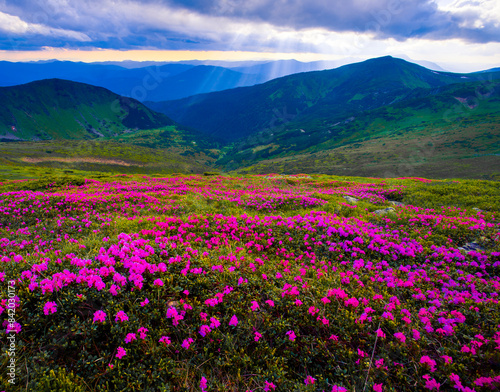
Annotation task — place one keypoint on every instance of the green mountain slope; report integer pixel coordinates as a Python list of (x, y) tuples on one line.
[(450, 131), (306, 97), (60, 109)]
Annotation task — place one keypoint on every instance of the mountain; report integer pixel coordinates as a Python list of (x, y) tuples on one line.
[(382, 117), (199, 79), (61, 109), (334, 94), (75, 126), (277, 69), (435, 132), (153, 82)]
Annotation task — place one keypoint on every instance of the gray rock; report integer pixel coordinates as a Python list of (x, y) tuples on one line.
[(384, 211), (350, 199), (396, 203), (471, 246)]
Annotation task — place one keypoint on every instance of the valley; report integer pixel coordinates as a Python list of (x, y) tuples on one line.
[(381, 117)]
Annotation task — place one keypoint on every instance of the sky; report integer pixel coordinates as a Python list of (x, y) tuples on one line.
[(459, 35)]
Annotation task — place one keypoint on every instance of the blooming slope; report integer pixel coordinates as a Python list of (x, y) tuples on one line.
[(213, 283)]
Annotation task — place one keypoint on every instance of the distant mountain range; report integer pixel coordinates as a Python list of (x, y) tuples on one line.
[(153, 82), (156, 81), (363, 118), (170, 81)]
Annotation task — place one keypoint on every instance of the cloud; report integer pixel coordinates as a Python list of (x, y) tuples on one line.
[(263, 25), (14, 26), (475, 21)]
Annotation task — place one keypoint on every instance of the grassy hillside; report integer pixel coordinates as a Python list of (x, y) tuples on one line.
[(60, 109), (26, 159), (446, 131)]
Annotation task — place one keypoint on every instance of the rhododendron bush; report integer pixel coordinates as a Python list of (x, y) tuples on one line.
[(192, 283)]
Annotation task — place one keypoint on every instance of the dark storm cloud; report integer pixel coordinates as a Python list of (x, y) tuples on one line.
[(132, 24), (400, 19)]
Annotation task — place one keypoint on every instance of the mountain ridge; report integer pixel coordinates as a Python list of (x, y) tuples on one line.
[(238, 113)]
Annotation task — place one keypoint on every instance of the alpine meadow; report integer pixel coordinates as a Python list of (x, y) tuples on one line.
[(249, 196)]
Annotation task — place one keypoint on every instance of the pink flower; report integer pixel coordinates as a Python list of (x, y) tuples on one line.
[(377, 387), (121, 316), (257, 336), (121, 353), (455, 378), (268, 386), (130, 337), (214, 323), (186, 343), (158, 282), (447, 359), (427, 360), (291, 335), (352, 302), (113, 289), (50, 307), (255, 306), (416, 334), (234, 321), (270, 303), (145, 302), (203, 383), (312, 310), (400, 336), (99, 316), (431, 384), (336, 388), (204, 330), (309, 380), (380, 333), (142, 332), (165, 340)]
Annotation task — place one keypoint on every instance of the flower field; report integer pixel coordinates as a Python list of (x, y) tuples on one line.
[(258, 283)]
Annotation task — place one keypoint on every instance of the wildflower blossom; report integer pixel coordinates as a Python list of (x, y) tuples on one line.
[(130, 337), (121, 352), (291, 335), (203, 383), (234, 321), (50, 307), (186, 343), (99, 316), (142, 332), (204, 330), (121, 316)]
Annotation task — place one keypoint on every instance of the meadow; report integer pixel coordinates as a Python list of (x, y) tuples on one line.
[(130, 282)]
